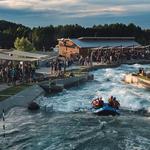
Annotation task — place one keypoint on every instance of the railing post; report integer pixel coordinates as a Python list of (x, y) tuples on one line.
[(4, 127)]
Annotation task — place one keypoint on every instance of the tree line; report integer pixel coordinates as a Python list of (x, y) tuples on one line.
[(13, 35)]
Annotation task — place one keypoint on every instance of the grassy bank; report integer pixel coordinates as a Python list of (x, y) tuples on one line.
[(12, 91)]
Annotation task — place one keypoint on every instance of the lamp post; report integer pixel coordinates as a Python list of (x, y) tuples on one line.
[(91, 59), (65, 56)]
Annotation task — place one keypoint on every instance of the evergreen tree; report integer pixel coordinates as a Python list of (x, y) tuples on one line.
[(46, 37), (23, 44)]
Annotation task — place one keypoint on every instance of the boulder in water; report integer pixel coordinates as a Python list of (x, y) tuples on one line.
[(90, 77), (33, 106)]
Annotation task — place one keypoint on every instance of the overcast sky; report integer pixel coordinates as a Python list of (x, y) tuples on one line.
[(83, 12)]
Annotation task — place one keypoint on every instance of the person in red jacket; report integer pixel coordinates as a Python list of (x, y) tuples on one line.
[(98, 103)]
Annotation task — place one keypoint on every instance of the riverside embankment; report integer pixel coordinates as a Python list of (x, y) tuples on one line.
[(96, 66), (21, 99), (31, 93)]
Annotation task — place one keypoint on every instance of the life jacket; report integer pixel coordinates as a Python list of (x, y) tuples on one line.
[(111, 103), (114, 103)]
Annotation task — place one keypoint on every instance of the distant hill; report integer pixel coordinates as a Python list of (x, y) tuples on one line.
[(10, 31), (4, 25)]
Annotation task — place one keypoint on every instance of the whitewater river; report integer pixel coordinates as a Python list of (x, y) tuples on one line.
[(72, 126)]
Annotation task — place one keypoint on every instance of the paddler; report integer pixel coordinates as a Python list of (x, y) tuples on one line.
[(116, 103), (98, 103), (113, 102)]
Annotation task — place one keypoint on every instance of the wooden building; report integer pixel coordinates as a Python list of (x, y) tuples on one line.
[(84, 45)]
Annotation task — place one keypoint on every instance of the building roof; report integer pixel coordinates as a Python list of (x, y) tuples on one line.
[(28, 54), (106, 38), (8, 57), (89, 42)]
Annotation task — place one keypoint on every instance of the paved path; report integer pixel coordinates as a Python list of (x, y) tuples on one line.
[(3, 86)]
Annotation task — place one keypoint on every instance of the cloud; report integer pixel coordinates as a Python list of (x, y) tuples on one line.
[(94, 11), (35, 4), (71, 9), (78, 8)]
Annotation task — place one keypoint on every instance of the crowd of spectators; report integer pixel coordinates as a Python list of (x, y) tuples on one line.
[(119, 56), (25, 72), (58, 66), (103, 56), (11, 74)]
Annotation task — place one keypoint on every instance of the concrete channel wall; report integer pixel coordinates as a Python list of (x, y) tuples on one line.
[(21, 99), (72, 80), (67, 82)]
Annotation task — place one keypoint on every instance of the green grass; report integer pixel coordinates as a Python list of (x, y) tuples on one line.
[(12, 91)]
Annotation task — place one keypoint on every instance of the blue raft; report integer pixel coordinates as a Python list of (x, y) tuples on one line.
[(106, 110)]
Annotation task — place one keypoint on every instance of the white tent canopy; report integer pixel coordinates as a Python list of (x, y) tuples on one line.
[(13, 58), (28, 54)]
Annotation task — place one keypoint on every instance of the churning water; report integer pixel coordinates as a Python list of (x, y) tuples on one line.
[(71, 125)]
